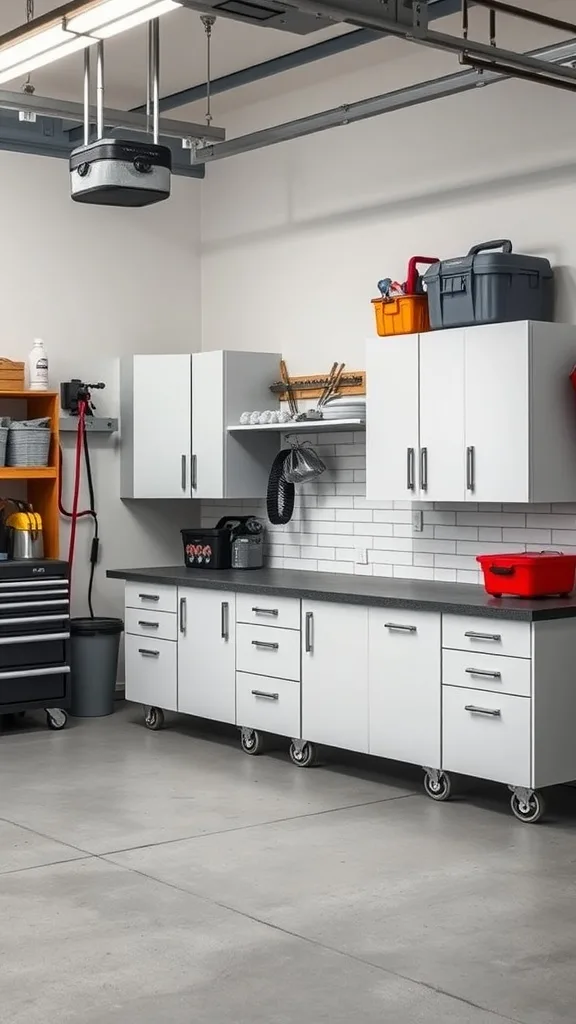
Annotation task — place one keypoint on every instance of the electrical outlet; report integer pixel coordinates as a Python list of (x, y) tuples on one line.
[(361, 556), (417, 520)]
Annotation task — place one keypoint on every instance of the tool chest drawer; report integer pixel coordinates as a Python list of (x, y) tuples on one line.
[(151, 672), (487, 735), (46, 683), (487, 672), (268, 611), (272, 705), (487, 636), (141, 622), (268, 651), (151, 596)]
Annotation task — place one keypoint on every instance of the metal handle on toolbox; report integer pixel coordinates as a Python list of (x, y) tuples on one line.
[(225, 620), (183, 615), (148, 654), (482, 672), (149, 597), (400, 629), (492, 712), (266, 646), (470, 468), (28, 619), (148, 625), (267, 696), (33, 604), (483, 636), (410, 469), (309, 632), (497, 243), (424, 469), (194, 472), (265, 611), (54, 670), (412, 278), (36, 638), (502, 570), (184, 472)]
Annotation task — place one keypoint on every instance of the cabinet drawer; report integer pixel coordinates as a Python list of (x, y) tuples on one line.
[(268, 611), (487, 672), (151, 596), (486, 735), (272, 705), (489, 636), (268, 651), (151, 672), (141, 622)]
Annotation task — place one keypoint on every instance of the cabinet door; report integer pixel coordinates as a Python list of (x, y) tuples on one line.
[(207, 654), (497, 412), (442, 468), (392, 418), (335, 675), (405, 686), (162, 426)]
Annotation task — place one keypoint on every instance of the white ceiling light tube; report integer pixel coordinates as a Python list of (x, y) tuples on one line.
[(70, 28)]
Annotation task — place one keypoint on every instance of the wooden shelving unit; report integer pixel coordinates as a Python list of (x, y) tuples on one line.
[(42, 481)]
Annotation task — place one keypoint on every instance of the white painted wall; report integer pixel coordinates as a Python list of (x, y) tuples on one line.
[(295, 238), (98, 283)]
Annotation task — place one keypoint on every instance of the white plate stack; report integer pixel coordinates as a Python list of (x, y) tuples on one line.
[(344, 408)]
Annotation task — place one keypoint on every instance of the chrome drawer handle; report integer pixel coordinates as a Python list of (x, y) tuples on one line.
[(148, 654), (400, 629), (27, 619), (149, 597), (484, 673), (471, 468), (309, 632), (28, 639), (410, 484), (267, 647), (148, 625), (491, 712), (266, 696), (183, 615), (34, 604), (496, 637), (266, 611), (225, 621), (56, 670)]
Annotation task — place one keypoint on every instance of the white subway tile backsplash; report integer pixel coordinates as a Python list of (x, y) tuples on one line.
[(333, 520)]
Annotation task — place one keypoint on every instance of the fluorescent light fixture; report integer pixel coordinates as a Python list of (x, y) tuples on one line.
[(70, 28)]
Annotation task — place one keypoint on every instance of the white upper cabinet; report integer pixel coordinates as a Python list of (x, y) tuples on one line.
[(156, 424), (494, 418)]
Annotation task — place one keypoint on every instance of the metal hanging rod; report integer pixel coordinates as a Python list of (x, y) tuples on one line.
[(424, 92)]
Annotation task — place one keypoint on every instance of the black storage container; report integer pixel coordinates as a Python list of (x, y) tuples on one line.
[(207, 548), (489, 287)]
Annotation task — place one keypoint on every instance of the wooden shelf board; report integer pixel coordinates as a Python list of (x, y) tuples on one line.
[(27, 472), (28, 394)]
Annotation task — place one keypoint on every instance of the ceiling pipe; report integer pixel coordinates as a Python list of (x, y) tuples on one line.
[(424, 92)]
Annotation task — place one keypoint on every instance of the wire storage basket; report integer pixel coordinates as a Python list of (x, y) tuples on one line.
[(28, 443), (4, 426)]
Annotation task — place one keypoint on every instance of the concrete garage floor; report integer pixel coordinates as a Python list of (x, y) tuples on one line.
[(167, 877)]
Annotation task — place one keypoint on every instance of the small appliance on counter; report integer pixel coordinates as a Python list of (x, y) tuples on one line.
[(532, 574), (236, 542), (21, 537)]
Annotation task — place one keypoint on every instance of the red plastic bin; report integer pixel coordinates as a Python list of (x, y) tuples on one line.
[(536, 574)]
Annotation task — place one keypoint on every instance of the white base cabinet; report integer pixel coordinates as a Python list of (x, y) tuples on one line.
[(485, 697)]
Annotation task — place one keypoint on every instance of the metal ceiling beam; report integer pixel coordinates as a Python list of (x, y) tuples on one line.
[(424, 92), (69, 111)]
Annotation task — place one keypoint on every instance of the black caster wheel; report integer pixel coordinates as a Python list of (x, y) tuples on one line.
[(154, 719), (304, 755), (56, 719), (252, 742), (437, 786), (528, 807)]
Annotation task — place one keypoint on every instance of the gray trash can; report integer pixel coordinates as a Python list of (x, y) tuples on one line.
[(94, 662)]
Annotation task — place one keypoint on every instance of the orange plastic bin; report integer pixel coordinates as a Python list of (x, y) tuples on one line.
[(405, 314)]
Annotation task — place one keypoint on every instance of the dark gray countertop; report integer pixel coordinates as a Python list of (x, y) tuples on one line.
[(384, 593)]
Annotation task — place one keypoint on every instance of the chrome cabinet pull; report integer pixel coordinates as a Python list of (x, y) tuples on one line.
[(34, 604), (496, 637), (149, 597), (400, 629), (484, 673), (424, 469), (266, 696), (491, 712), (148, 654), (225, 620), (309, 632), (266, 646), (183, 615), (9, 640), (410, 469), (61, 617), (184, 472), (471, 468), (194, 472), (266, 611), (55, 670), (148, 625)]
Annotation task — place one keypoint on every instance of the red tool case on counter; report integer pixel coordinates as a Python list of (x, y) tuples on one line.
[(535, 574)]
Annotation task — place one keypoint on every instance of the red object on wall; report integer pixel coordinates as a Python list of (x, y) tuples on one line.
[(535, 574), (573, 377)]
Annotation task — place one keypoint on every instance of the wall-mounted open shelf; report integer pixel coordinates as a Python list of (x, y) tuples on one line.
[(299, 427)]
